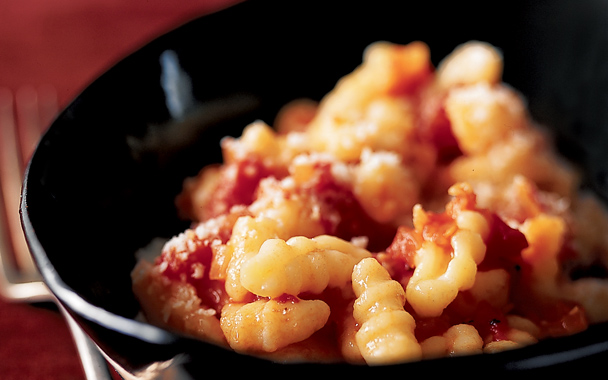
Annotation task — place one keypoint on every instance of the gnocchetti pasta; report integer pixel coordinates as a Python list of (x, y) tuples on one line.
[(414, 212)]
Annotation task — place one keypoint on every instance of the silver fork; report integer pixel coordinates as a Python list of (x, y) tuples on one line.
[(23, 117)]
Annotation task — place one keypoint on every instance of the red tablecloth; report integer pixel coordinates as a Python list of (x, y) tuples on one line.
[(67, 43)]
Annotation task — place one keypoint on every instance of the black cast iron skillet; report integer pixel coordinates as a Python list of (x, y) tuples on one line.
[(102, 181)]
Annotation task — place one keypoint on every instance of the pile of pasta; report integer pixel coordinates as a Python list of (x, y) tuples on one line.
[(414, 212)]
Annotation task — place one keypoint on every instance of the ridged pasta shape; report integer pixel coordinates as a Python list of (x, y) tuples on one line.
[(248, 235), (458, 340), (439, 276), (300, 265), (386, 334), (268, 325)]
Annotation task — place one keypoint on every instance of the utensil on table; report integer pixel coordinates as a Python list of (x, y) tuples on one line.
[(23, 117)]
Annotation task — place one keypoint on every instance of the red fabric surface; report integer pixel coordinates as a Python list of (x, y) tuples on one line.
[(36, 344), (67, 43)]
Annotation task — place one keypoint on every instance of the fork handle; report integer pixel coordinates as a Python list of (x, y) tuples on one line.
[(94, 365)]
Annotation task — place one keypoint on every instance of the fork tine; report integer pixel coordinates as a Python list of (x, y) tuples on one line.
[(11, 165)]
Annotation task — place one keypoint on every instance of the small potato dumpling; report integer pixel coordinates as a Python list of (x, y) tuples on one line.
[(482, 116), (463, 340), (458, 340), (384, 186), (440, 275), (386, 334), (470, 63), (294, 215), (362, 110), (300, 265), (545, 235), (295, 116), (248, 235), (268, 325)]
